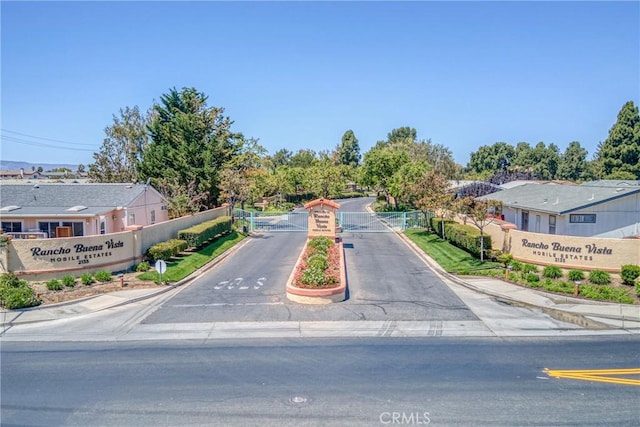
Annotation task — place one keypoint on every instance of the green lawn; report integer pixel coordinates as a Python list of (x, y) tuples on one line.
[(187, 263), (450, 257)]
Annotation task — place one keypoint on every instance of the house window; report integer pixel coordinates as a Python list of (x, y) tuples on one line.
[(552, 224), (77, 228), (582, 219), (525, 221), (153, 217), (11, 227), (132, 219), (103, 227)]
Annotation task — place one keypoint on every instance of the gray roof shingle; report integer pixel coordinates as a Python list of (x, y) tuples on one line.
[(55, 199), (560, 199)]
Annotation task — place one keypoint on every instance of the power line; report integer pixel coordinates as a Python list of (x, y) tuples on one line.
[(44, 139), (44, 145)]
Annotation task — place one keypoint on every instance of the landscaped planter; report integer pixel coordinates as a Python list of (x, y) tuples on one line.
[(318, 295)]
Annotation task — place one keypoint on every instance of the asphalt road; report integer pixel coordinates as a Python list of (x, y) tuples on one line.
[(386, 282), (484, 382)]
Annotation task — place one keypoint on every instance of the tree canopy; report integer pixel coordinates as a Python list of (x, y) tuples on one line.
[(122, 148), (189, 144), (619, 155)]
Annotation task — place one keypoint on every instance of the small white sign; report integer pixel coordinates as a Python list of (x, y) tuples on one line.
[(161, 266)]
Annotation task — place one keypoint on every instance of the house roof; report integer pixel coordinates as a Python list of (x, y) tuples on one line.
[(322, 201), (559, 199), (612, 183), (43, 199)]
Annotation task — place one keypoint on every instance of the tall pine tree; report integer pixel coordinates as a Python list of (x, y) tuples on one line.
[(619, 155)]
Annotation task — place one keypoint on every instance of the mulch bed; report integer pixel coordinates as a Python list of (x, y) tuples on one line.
[(84, 291)]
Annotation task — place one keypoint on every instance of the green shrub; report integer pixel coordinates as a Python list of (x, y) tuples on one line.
[(599, 277), (606, 293), (319, 261), (467, 237), (532, 277), (16, 293), (559, 286), (552, 272), (69, 281), (143, 266), (629, 273), (436, 224), (516, 265), (505, 259), (166, 250), (103, 276), (54, 285), (576, 275), (320, 244), (198, 235), (637, 287), (529, 268), (86, 279)]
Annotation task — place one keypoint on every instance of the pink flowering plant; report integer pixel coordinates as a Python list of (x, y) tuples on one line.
[(319, 266)]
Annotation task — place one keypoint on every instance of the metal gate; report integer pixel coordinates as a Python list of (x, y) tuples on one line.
[(348, 222), (272, 221), (379, 222)]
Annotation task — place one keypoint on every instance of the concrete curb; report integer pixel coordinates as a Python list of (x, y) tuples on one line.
[(581, 319), (186, 281)]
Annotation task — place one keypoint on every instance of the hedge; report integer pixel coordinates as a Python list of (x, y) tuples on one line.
[(166, 250), (467, 237), (198, 235), (436, 224)]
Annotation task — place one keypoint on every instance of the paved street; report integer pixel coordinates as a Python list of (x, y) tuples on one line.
[(345, 382)]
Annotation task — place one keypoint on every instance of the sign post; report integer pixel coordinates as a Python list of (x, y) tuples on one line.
[(161, 267)]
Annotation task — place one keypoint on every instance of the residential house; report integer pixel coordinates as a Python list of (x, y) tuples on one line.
[(47, 210), (606, 208)]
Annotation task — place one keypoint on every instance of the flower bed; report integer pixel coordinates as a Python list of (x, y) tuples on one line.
[(319, 266), (319, 276)]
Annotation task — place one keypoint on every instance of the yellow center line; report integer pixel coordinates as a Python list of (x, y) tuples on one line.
[(597, 375)]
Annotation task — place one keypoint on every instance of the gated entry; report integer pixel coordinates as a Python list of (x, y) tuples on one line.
[(272, 221), (349, 222)]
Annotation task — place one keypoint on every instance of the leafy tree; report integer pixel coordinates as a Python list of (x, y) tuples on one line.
[(481, 213), (379, 165), (348, 152), (281, 157), (404, 133), (122, 148), (80, 168), (190, 142), (491, 158), (239, 176), (303, 158), (573, 163), (400, 184), (619, 155), (326, 179), (432, 194)]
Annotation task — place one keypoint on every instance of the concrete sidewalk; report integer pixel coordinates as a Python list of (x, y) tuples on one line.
[(586, 313)]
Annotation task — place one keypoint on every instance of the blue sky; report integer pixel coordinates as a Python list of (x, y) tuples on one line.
[(299, 74)]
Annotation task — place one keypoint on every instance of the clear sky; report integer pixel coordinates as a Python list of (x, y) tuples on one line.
[(299, 74)]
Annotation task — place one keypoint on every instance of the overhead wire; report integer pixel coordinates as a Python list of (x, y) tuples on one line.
[(13, 139)]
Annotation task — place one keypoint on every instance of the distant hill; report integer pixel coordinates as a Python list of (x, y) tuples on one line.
[(8, 165)]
